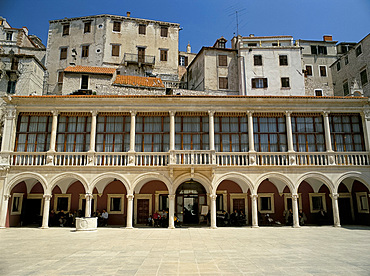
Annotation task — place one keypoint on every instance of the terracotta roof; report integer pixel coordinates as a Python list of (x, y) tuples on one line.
[(90, 69), (279, 36), (139, 81)]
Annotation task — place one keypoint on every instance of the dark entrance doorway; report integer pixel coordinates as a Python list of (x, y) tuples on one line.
[(190, 198), (345, 210), (31, 212), (142, 211)]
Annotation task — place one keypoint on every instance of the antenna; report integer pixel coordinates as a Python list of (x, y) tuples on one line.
[(237, 23)]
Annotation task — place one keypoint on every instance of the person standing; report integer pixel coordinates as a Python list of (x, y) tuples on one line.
[(104, 217)]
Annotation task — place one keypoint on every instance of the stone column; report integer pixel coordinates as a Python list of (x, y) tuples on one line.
[(130, 209), (53, 139), (88, 198), (329, 149), (171, 213), (254, 211), (213, 211), (7, 145), (131, 152), (94, 113), (4, 210), (252, 152), (334, 200), (46, 211), (295, 211), (289, 133), (211, 130), (172, 130), (366, 127)]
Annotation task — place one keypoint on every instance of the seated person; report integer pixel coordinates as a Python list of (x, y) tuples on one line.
[(62, 218), (156, 218)]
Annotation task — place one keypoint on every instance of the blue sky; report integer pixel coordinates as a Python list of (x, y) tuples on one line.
[(203, 21)]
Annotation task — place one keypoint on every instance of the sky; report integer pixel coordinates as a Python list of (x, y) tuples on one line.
[(203, 21)]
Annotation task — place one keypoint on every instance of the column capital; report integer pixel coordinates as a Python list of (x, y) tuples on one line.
[(94, 112), (254, 197), (295, 196), (250, 112), (47, 197), (213, 197), (211, 112), (10, 113), (171, 197), (6, 197), (288, 113), (130, 197), (133, 112), (172, 112), (366, 112), (55, 112), (325, 113), (334, 196), (89, 196)]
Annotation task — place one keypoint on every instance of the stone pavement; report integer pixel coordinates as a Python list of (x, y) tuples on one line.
[(186, 251)]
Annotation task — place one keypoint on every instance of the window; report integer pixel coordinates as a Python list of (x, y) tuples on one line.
[(221, 44), (84, 82), (358, 50), (66, 29), (362, 202), (338, 65), (115, 50), (283, 60), (308, 71), (231, 134), (163, 55), (346, 60), (62, 202), (345, 88), (363, 77), (142, 29), (269, 133), (183, 61), (116, 26), (60, 77), (257, 60), (252, 44), (152, 134), (266, 203), (259, 83), (63, 53), (322, 69), (9, 36), (318, 50), (192, 132), (308, 132), (222, 60), (318, 92), (33, 133), (317, 202), (346, 132), (163, 202), (17, 200), (275, 44), (285, 83), (164, 31), (115, 203), (87, 27), (113, 133), (11, 87), (73, 133), (85, 51), (220, 202), (141, 54), (223, 83)]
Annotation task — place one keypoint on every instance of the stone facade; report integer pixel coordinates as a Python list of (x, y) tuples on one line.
[(134, 46), (317, 57), (353, 67)]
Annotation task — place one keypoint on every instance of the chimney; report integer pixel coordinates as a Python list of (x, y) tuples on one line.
[(128, 14), (328, 38), (251, 35), (25, 30), (188, 48)]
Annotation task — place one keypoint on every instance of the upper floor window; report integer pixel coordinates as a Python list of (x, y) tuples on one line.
[(152, 133), (87, 27), (338, 65), (221, 44), (11, 87), (66, 29), (346, 60), (73, 133), (269, 133), (308, 71), (163, 55), (164, 31), (308, 132), (252, 44), (85, 51), (142, 29), (283, 60), (345, 88), (319, 50), (9, 36), (192, 132), (363, 76), (285, 83), (113, 133), (257, 60), (358, 50), (231, 133), (183, 61), (223, 83), (259, 83), (322, 70), (115, 50), (63, 53), (222, 60), (116, 26), (318, 92)]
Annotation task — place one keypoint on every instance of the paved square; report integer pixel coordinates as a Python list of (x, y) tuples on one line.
[(186, 251)]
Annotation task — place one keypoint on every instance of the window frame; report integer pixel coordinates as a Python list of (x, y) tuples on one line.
[(308, 72), (257, 82), (116, 48), (85, 51), (323, 71), (358, 50), (122, 205), (87, 27), (318, 90), (63, 53), (297, 132), (223, 83), (164, 31), (163, 54), (363, 77), (142, 29), (181, 132), (258, 133), (283, 60), (56, 196), (272, 203), (338, 66), (361, 210), (9, 36), (285, 83), (257, 60), (19, 196), (222, 60), (116, 28), (323, 201), (65, 29)]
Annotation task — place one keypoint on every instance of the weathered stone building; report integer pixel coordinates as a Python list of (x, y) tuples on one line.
[(351, 72), (133, 46), (317, 56)]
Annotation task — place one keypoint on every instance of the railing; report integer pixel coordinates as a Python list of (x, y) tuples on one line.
[(135, 58), (187, 157)]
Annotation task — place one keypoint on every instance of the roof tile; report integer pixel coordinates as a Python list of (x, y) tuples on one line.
[(139, 81), (90, 69)]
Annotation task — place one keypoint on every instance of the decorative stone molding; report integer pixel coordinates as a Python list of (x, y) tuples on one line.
[(5, 158), (133, 112), (10, 113), (89, 196), (47, 197), (172, 113), (130, 197), (55, 112), (295, 197), (325, 113), (211, 113), (252, 159), (254, 197), (87, 224), (4, 169), (94, 112), (171, 197), (334, 196), (213, 197)]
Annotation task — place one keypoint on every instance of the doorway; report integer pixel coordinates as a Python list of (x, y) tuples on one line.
[(345, 210), (31, 212), (142, 211)]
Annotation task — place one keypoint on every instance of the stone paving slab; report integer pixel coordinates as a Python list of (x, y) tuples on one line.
[(186, 251)]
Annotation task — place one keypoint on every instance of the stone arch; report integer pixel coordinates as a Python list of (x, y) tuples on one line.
[(242, 180), (73, 176), (276, 179), (318, 176), (102, 180), (141, 180), (196, 177), (12, 182), (356, 176)]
